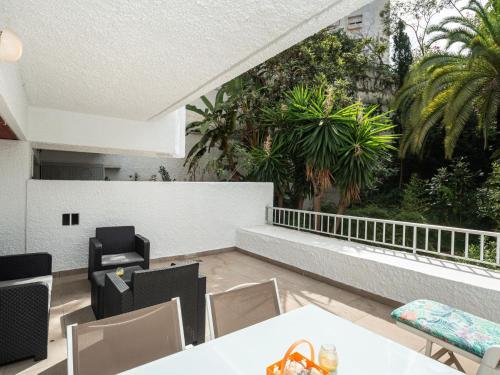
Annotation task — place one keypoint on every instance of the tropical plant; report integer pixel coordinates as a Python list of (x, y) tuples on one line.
[(217, 128), (271, 163), (314, 135), (165, 176), (452, 87), (363, 143), (330, 57), (338, 145)]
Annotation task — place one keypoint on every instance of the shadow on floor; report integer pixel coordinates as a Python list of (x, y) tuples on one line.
[(59, 368)]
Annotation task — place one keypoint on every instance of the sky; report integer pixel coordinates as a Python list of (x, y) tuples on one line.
[(442, 15)]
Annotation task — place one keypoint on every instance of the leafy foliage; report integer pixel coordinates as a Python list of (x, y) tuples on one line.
[(294, 120), (415, 196), (217, 128), (489, 197), (452, 193), (337, 144), (452, 87), (236, 125), (271, 163), (416, 16), (402, 56), (330, 57), (165, 176)]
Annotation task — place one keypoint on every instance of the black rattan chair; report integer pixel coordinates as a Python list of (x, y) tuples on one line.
[(25, 285), (114, 247), (151, 287)]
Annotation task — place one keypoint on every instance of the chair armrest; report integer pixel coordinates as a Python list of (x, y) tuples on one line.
[(95, 252), (22, 266), (142, 246), (202, 290), (118, 297)]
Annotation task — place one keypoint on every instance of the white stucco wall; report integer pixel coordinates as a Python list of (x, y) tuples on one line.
[(71, 131), (15, 169), (121, 167), (395, 275), (177, 217)]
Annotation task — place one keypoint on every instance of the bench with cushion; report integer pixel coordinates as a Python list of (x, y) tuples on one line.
[(455, 331)]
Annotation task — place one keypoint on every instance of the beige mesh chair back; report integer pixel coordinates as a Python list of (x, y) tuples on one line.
[(125, 341), (241, 307)]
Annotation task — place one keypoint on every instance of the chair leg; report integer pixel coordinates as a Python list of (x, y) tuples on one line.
[(440, 353), (428, 348), (453, 360), (41, 355)]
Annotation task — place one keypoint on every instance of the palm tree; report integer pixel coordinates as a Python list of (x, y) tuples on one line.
[(363, 143), (451, 87), (339, 146), (314, 135)]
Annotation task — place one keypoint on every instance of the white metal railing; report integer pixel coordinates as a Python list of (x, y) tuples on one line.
[(458, 243)]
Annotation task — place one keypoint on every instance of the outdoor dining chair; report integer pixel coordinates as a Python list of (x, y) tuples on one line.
[(122, 342), (242, 306)]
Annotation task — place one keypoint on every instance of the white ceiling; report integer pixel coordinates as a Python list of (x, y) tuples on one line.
[(135, 59)]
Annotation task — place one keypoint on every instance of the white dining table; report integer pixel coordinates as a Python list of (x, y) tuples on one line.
[(249, 351)]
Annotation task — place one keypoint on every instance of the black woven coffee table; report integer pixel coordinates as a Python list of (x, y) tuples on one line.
[(97, 280)]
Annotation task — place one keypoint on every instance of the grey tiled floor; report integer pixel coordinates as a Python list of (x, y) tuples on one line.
[(71, 303)]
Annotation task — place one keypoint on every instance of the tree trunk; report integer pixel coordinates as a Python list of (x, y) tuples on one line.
[(318, 194), (341, 209), (300, 203), (280, 199), (317, 203), (342, 206), (401, 172)]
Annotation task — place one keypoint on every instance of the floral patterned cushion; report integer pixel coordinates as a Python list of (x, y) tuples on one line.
[(463, 330)]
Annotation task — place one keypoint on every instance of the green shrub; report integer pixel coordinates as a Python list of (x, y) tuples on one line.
[(371, 210), (452, 194), (489, 251), (415, 196), (488, 197), (410, 216)]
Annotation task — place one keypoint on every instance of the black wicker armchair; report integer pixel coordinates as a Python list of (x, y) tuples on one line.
[(151, 287), (25, 285), (114, 247)]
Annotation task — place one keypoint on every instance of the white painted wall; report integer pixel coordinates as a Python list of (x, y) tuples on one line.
[(395, 275), (177, 217), (71, 131), (15, 169), (120, 167), (13, 100)]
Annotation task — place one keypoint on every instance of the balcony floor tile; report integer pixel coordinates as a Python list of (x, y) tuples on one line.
[(71, 304)]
